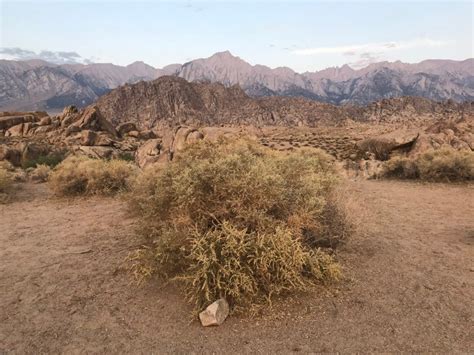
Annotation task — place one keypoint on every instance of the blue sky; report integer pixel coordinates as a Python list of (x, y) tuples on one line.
[(305, 36)]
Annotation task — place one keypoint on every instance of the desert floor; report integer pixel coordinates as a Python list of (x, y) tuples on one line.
[(408, 286)]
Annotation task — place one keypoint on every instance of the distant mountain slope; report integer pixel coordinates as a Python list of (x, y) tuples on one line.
[(432, 79), (38, 85), (170, 101)]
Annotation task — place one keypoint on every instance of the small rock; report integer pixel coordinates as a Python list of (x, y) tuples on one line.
[(45, 121), (133, 134), (215, 313)]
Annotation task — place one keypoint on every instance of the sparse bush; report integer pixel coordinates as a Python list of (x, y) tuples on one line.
[(85, 176), (235, 220), (40, 173), (444, 164)]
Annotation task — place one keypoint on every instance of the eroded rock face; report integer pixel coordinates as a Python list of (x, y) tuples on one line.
[(93, 120)]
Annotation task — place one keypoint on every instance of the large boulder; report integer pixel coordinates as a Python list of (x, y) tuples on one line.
[(15, 131), (10, 121), (151, 152), (93, 120), (185, 136)]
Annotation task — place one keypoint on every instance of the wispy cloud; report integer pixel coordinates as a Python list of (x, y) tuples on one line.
[(366, 59), (14, 53), (371, 47)]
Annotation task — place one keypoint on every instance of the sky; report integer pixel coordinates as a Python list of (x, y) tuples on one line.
[(305, 36)]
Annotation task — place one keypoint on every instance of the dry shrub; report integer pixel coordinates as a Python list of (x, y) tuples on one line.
[(5, 184), (444, 164), (237, 220), (86, 176), (401, 168), (40, 173), (379, 147)]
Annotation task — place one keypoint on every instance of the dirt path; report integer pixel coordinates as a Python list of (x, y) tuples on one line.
[(409, 286)]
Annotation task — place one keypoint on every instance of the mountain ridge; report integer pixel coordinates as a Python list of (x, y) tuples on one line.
[(36, 84)]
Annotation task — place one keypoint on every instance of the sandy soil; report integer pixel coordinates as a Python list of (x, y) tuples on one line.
[(409, 283)]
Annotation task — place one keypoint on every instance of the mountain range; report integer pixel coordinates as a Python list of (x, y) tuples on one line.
[(39, 85)]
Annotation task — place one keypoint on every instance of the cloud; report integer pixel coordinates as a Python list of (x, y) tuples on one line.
[(366, 59), (371, 47), (14, 53)]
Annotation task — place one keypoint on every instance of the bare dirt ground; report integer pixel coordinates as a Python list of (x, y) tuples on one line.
[(408, 287)]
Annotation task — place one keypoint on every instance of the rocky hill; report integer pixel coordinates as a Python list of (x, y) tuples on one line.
[(171, 101), (35, 84)]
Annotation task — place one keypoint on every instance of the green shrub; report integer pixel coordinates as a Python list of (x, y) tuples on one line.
[(85, 176), (236, 220), (444, 164), (127, 156), (51, 160)]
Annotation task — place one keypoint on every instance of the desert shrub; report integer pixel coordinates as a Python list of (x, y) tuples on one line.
[(85, 176), (51, 160), (379, 147), (236, 220), (6, 166), (40, 173), (401, 167), (5, 184), (445, 164), (127, 156)]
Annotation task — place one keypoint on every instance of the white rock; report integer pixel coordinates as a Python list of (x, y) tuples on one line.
[(215, 313)]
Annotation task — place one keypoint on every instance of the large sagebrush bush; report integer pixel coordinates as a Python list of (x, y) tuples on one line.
[(86, 176), (444, 164), (236, 220)]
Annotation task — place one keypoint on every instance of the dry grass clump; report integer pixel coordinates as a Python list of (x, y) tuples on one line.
[(445, 164), (86, 176), (40, 173), (237, 220)]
